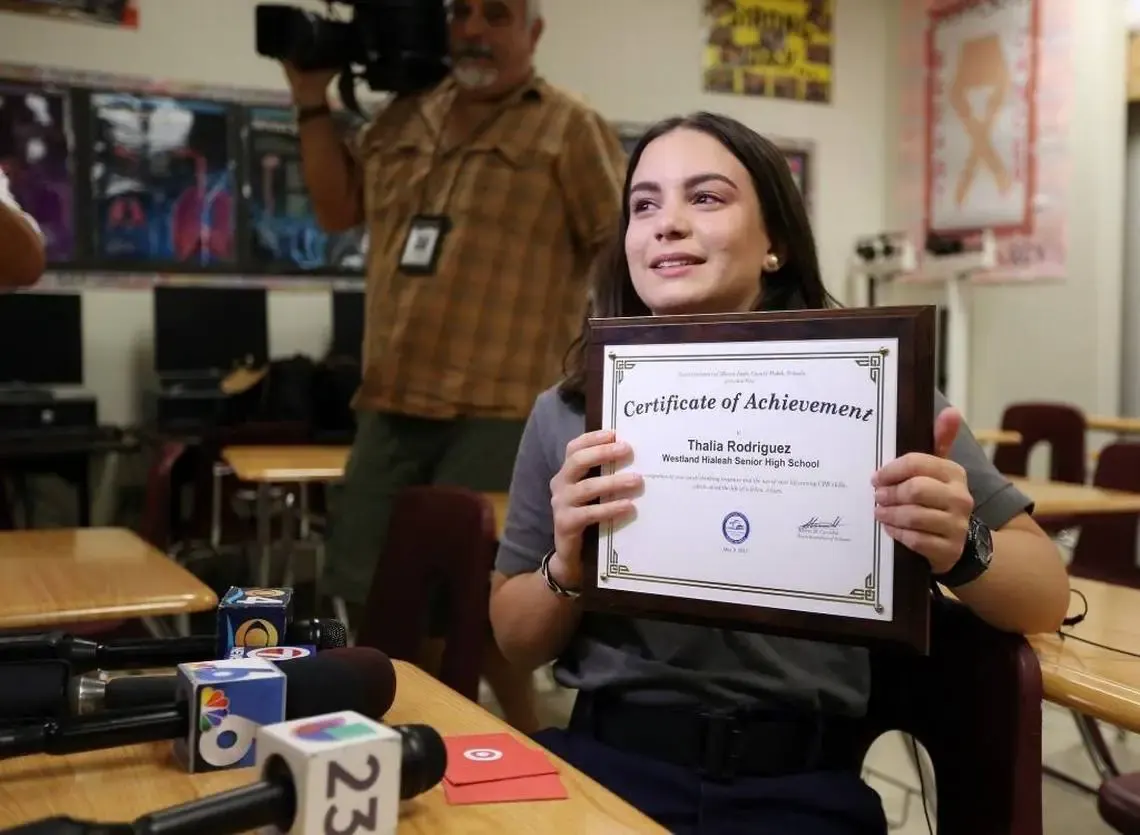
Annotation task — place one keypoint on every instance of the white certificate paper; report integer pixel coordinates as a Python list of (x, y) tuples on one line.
[(757, 459)]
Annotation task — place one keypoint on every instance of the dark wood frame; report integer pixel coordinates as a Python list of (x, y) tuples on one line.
[(914, 328)]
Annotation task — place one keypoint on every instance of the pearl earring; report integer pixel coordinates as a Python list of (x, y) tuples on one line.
[(771, 262)]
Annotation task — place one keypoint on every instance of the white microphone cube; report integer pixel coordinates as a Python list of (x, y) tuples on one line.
[(345, 770), (228, 701)]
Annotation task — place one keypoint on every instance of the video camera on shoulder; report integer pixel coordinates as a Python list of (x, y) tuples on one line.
[(399, 46)]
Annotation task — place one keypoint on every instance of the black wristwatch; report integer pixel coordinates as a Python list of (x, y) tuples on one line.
[(975, 559)]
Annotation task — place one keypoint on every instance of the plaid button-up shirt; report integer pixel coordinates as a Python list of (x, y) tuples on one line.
[(530, 193)]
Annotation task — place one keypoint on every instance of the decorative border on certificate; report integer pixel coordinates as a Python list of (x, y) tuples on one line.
[(708, 463), (869, 593)]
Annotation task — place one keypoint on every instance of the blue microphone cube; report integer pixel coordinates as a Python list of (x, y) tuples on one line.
[(253, 618), (228, 701)]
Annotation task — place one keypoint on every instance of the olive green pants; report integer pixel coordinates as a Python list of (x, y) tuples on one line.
[(392, 452)]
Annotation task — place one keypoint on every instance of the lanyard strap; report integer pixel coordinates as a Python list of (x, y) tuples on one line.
[(480, 129)]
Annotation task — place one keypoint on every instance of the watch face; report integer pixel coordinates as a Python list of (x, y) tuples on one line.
[(983, 540)]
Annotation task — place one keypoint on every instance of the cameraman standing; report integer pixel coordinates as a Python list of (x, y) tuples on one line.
[(485, 199)]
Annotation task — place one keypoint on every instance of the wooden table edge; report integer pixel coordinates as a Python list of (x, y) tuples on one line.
[(142, 610), (280, 475), (1061, 691), (1118, 425)]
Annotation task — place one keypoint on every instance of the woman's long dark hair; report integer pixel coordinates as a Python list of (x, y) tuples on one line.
[(796, 285)]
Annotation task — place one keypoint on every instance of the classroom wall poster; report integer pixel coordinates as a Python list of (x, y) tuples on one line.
[(987, 90), (283, 225), (37, 124), (774, 48), (36, 155), (162, 180), (121, 13)]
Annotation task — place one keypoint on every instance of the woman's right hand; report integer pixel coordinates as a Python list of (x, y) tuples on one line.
[(572, 494)]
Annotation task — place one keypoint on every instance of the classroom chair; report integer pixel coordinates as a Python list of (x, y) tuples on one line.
[(440, 537), (975, 705)]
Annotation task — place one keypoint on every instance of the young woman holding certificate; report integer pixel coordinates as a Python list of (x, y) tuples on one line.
[(713, 223)]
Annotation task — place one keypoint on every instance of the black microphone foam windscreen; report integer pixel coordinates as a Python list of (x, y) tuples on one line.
[(350, 678), (423, 761), (332, 634)]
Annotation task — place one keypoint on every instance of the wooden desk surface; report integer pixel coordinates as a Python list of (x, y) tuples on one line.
[(1098, 682), (276, 464), (1116, 425), (89, 574), (121, 784), (996, 436), (1057, 498)]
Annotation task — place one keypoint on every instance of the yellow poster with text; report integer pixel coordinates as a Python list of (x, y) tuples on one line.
[(776, 48)]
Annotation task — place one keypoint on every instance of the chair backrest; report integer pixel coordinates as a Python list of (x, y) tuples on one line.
[(975, 705), (1106, 545), (159, 507), (438, 537), (1059, 425)]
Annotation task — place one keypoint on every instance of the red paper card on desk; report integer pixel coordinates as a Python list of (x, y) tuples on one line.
[(542, 787), (486, 758)]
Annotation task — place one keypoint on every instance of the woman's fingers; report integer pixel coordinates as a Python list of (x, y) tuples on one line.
[(618, 485), (579, 464), (589, 439), (571, 521), (573, 496)]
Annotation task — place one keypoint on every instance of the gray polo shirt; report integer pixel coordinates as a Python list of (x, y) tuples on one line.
[(661, 662)]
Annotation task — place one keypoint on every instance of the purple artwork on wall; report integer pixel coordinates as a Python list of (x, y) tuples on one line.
[(35, 153)]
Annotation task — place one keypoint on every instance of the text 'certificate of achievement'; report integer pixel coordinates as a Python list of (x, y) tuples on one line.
[(757, 437)]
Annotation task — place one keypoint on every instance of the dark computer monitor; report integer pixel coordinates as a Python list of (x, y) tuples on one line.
[(208, 330), (41, 339), (347, 324)]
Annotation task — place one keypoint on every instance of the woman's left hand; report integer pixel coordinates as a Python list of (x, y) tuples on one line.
[(922, 500)]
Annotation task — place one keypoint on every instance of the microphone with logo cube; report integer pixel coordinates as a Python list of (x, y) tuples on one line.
[(253, 618), (228, 701), (345, 770), (331, 773)]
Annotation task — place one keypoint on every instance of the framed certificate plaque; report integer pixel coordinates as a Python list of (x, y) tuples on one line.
[(757, 436)]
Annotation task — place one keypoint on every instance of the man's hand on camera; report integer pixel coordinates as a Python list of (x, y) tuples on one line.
[(309, 88)]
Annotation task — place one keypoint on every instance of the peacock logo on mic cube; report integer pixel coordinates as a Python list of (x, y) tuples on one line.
[(253, 618), (345, 771), (227, 702)]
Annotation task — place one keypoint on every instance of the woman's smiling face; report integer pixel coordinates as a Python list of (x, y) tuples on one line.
[(696, 241)]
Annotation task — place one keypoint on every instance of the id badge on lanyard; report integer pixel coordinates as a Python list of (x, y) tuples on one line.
[(424, 243)]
